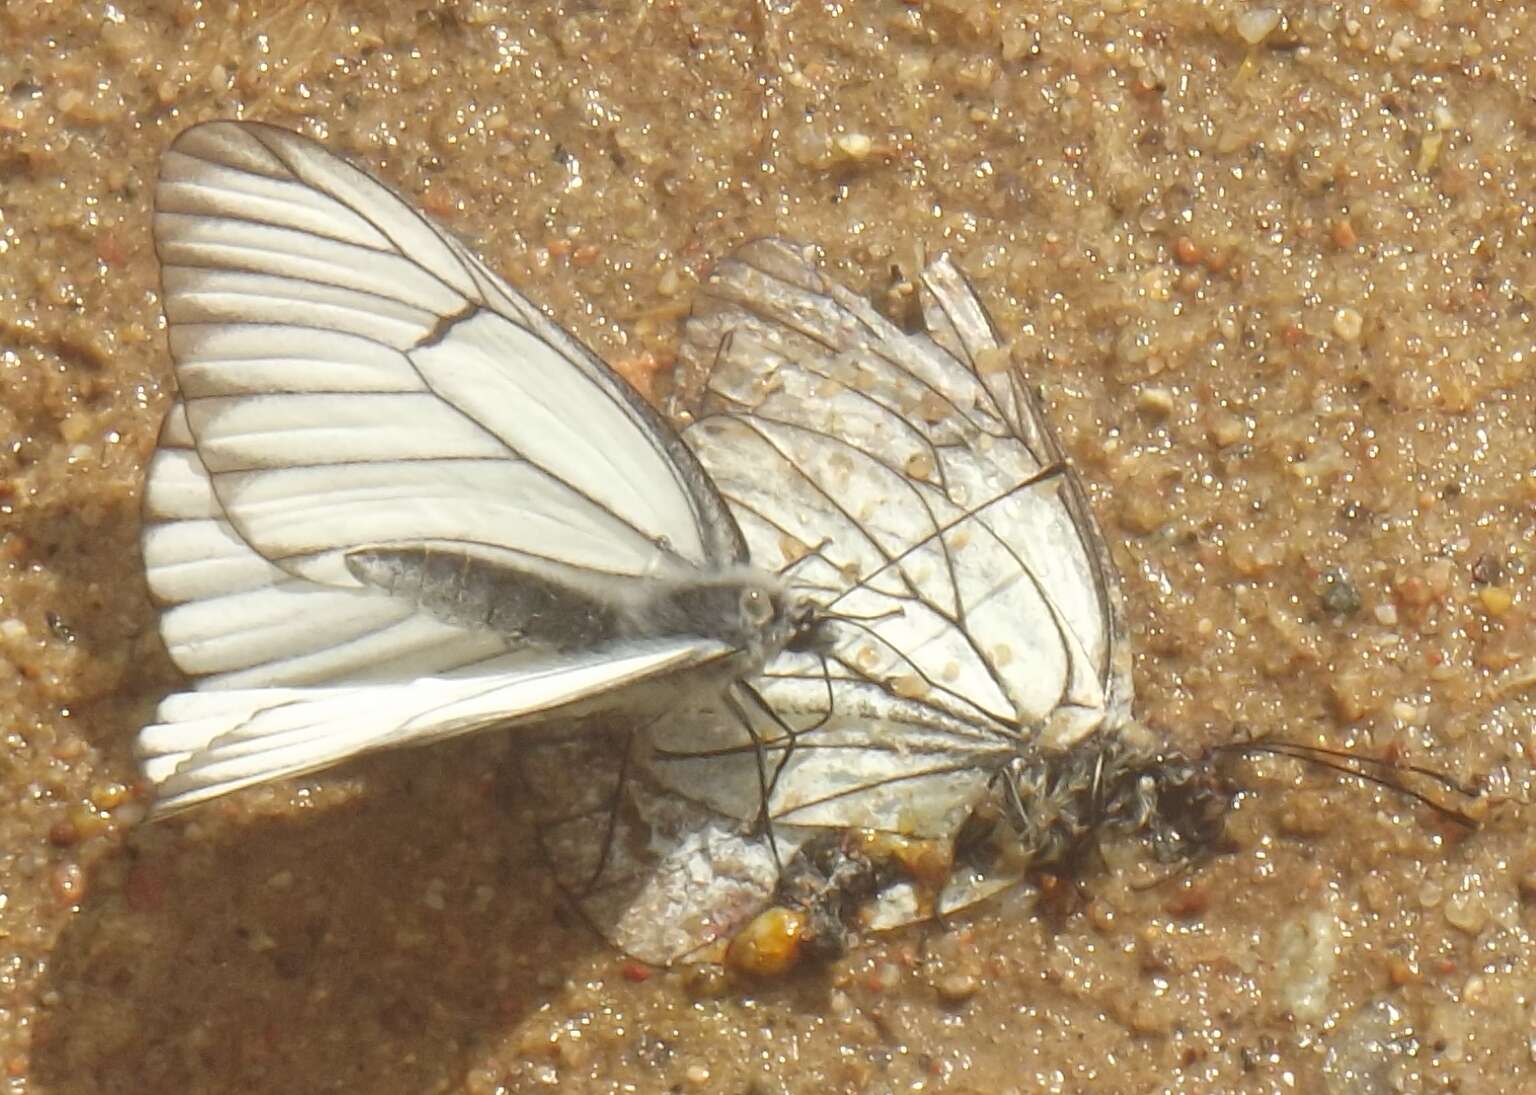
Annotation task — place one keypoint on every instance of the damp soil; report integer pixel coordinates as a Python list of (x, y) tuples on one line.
[(1272, 266)]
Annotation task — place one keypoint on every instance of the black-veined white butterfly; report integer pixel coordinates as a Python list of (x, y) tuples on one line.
[(975, 649), (394, 502), (974, 661)]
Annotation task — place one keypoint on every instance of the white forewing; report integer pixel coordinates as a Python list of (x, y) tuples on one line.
[(352, 378), (287, 274)]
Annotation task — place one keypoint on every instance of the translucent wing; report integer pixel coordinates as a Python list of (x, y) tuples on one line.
[(659, 877), (913, 478), (912, 483), (668, 880), (364, 407)]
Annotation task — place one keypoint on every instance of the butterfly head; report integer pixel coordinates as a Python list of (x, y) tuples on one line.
[(752, 610)]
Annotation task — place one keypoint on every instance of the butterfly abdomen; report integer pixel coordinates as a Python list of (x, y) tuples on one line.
[(459, 588)]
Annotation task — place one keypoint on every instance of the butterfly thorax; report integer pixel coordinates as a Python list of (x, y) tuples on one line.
[(1058, 803)]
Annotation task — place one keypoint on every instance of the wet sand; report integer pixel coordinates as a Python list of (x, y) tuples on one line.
[(1273, 274)]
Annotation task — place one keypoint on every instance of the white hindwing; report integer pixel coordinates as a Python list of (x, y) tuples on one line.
[(913, 478), (350, 376)]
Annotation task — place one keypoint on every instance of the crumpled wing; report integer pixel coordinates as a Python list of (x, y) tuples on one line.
[(914, 480), (874, 762), (660, 878), (666, 879)]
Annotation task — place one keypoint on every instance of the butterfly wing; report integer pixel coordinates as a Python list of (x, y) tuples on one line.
[(913, 478), (352, 375), (659, 877), (298, 676), (353, 381)]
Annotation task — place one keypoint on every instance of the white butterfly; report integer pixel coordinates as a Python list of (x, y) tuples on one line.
[(974, 652), (395, 502)]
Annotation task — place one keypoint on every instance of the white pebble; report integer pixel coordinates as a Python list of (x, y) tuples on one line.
[(1255, 24)]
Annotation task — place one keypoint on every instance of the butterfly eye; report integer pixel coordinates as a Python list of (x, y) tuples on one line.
[(757, 608)]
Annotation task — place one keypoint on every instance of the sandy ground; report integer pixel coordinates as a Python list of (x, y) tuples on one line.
[(1272, 265)]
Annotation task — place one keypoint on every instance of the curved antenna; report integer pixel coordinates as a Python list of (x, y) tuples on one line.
[(1360, 767)]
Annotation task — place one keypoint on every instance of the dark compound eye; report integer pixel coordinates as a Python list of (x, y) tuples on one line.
[(756, 607)]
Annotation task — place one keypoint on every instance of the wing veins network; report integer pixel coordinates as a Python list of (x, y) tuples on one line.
[(874, 343), (256, 222), (975, 513), (932, 685), (410, 210), (970, 359), (478, 305), (833, 439), (216, 191), (258, 134), (550, 475), (933, 447), (890, 562), (512, 450), (785, 816), (838, 507), (259, 324), (612, 396), (351, 639), (872, 340)]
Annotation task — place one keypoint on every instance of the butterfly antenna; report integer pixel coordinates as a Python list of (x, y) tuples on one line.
[(1359, 767)]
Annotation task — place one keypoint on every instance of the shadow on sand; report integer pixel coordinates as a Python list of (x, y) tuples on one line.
[(371, 945)]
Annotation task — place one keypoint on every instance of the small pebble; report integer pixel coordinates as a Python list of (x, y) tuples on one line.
[(1348, 323), (1255, 24), (1339, 595), (633, 970), (1496, 600), (769, 945), (856, 146), (68, 883), (1157, 402), (1466, 913), (957, 988)]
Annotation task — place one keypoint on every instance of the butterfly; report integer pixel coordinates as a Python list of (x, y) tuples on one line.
[(965, 710), (393, 502), (973, 655)]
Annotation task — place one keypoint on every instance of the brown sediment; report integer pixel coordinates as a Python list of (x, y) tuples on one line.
[(1271, 266)]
